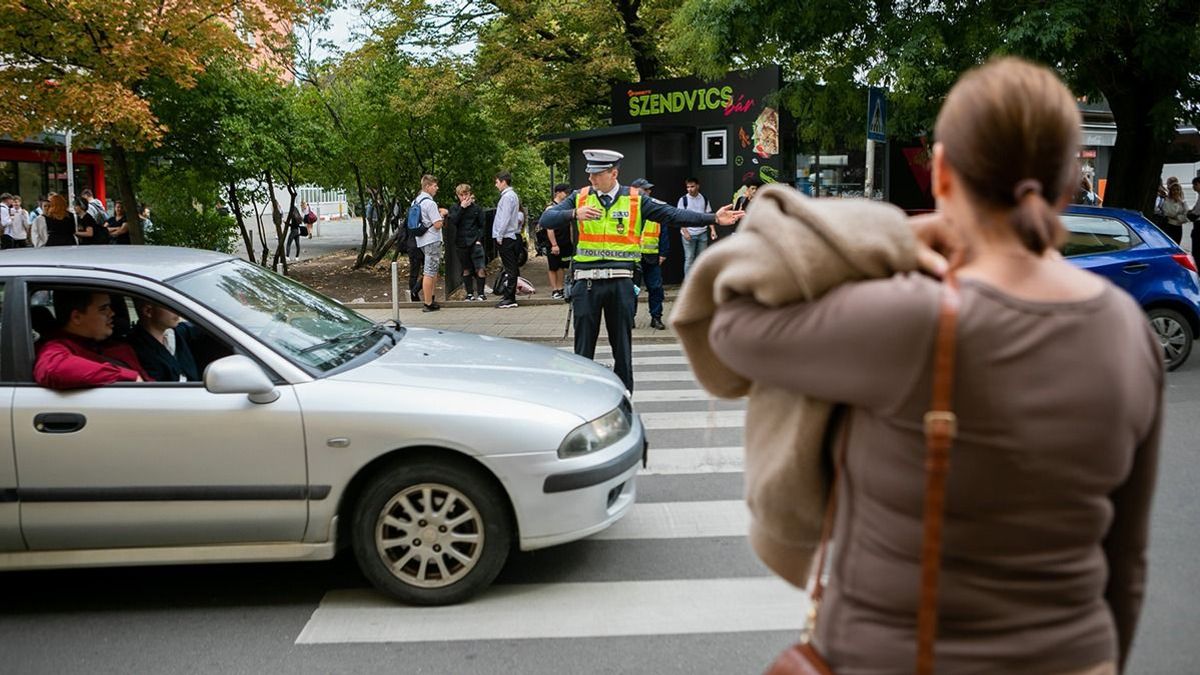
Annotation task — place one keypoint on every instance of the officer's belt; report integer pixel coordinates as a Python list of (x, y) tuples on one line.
[(602, 273)]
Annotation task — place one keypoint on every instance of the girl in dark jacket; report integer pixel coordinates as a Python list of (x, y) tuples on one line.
[(467, 219), (87, 230)]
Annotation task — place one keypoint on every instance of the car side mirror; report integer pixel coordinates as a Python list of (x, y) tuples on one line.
[(239, 374)]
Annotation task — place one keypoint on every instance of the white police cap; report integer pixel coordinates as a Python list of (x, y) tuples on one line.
[(602, 160)]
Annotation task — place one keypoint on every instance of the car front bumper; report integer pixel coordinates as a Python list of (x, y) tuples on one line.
[(561, 500)]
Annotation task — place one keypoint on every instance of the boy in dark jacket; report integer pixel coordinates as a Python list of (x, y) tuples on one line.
[(467, 218)]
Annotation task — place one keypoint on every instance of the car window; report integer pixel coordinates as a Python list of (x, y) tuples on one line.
[(170, 348), (287, 316), (1087, 235)]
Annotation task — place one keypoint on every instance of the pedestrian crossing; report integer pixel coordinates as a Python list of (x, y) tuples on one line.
[(676, 564)]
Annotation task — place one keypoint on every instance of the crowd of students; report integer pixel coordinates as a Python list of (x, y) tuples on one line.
[(58, 220)]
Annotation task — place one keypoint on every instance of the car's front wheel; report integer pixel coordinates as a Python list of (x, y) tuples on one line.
[(431, 533), (1174, 335)]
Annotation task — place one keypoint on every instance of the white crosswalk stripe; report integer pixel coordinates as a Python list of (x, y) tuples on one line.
[(681, 520), (638, 348), (621, 606), (666, 461), (708, 419), (642, 375), (597, 609), (672, 395)]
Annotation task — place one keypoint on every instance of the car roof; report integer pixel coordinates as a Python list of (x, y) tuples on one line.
[(1112, 212), (153, 262)]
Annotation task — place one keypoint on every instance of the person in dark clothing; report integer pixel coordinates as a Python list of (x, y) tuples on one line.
[(161, 341), (750, 188), (561, 246), (87, 230), (60, 225), (655, 248), (293, 225), (118, 226), (467, 218)]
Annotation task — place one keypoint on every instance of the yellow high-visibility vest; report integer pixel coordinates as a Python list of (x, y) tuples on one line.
[(616, 235)]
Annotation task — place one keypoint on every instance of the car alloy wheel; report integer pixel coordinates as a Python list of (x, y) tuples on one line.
[(1174, 336), (431, 533)]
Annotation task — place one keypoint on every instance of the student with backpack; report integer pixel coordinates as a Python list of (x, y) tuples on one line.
[(695, 239), (424, 225)]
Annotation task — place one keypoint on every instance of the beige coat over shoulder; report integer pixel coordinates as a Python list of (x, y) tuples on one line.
[(789, 248)]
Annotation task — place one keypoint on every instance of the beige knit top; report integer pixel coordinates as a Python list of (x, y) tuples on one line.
[(1050, 482)]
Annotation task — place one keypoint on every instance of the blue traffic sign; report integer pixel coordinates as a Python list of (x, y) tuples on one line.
[(876, 115)]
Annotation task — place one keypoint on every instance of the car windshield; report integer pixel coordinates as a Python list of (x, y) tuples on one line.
[(303, 325)]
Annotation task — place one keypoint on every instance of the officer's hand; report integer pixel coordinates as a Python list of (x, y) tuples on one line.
[(687, 236), (554, 250), (727, 216), (588, 213), (661, 260)]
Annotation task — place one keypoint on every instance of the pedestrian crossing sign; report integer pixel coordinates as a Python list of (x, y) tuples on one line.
[(876, 115)]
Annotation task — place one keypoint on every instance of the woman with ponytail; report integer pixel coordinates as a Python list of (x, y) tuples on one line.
[(1052, 470)]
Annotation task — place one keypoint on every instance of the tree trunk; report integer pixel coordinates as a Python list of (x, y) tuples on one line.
[(241, 221), (128, 196), (362, 249), (1137, 158), (276, 218)]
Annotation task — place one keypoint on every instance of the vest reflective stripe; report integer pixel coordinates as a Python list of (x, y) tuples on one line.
[(608, 238), (651, 231)]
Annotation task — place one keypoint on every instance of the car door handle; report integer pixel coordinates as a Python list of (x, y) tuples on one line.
[(59, 423), (1134, 268)]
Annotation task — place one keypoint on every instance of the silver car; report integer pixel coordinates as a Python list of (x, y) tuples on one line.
[(431, 453)]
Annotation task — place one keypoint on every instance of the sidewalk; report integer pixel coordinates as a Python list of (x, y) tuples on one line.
[(535, 323)]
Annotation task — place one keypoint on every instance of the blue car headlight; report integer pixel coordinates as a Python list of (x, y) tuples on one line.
[(598, 434)]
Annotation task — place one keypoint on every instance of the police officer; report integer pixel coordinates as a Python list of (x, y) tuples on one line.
[(654, 252), (609, 219)]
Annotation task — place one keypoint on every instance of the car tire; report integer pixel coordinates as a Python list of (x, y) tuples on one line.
[(431, 533), (1174, 334)]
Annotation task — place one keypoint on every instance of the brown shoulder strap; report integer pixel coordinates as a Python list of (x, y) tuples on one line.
[(941, 426)]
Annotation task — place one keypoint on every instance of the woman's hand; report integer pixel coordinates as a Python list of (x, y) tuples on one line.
[(937, 243)]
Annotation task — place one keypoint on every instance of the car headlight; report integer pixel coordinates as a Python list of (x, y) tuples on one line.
[(599, 433)]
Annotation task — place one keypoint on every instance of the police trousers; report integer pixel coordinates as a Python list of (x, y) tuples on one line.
[(615, 300)]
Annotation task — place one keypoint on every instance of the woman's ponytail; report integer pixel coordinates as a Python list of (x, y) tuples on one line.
[(1033, 221)]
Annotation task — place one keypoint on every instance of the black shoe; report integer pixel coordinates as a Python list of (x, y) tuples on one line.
[(431, 308), (435, 305), (506, 304), (415, 297), (656, 323)]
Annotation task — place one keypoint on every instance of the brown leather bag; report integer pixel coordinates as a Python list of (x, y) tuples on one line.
[(941, 425)]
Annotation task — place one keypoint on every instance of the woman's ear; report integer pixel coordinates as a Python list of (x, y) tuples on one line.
[(943, 184)]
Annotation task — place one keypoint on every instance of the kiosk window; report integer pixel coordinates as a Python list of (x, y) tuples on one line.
[(713, 148)]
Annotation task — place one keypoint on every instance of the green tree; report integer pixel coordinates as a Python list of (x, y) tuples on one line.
[(1140, 56), (543, 66), (86, 65)]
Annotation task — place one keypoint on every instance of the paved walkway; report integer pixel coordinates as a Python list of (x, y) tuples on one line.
[(540, 323)]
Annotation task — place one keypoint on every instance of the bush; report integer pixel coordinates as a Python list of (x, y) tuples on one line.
[(183, 208)]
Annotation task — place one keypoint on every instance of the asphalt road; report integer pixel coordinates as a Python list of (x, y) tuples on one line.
[(659, 577)]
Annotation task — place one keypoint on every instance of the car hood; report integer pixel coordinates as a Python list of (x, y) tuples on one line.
[(438, 359)]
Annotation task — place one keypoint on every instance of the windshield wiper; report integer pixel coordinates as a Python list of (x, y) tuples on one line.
[(386, 327)]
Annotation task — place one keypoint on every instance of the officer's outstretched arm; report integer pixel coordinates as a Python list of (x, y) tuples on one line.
[(559, 214)]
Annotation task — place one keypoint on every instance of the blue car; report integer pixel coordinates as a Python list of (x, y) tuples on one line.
[(1129, 250)]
